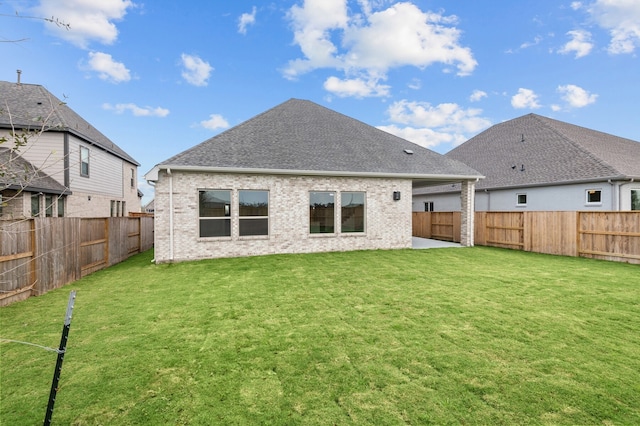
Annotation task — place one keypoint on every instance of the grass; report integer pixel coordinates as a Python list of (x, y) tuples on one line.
[(447, 336)]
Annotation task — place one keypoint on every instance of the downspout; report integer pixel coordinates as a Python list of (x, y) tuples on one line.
[(170, 214)]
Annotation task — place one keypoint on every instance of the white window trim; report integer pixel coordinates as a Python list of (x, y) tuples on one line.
[(592, 203), (518, 203)]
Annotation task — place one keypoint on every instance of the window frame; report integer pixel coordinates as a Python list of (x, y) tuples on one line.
[(312, 223), (590, 191), (248, 218), (84, 149), (364, 213), (519, 203), (637, 200), (60, 206), (227, 210), (36, 197), (133, 178)]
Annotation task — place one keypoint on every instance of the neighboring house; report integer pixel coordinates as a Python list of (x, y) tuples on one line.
[(66, 168), (537, 163), (297, 178)]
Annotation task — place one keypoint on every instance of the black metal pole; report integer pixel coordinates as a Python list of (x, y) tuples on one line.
[(61, 352)]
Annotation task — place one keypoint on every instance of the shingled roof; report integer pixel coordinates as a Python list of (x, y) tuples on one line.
[(533, 150), (25, 106), (301, 137)]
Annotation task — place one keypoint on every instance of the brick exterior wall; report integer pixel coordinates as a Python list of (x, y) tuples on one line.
[(387, 223)]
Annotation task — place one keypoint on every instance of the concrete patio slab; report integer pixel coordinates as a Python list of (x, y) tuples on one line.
[(425, 243)]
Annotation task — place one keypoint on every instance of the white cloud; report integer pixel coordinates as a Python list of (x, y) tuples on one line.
[(196, 71), (136, 110), (245, 20), (372, 42), (525, 98), (107, 68), (356, 87), (536, 41), (88, 20), (477, 95), (576, 96), (622, 19), (430, 126), (415, 84), (215, 122), (580, 43), (576, 5)]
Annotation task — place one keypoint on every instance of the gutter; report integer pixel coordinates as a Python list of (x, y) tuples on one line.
[(152, 175)]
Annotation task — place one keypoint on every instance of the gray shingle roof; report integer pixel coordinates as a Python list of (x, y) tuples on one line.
[(27, 105), (19, 174), (550, 151), (299, 135)]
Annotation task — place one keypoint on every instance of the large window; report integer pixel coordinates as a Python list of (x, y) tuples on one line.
[(635, 199), (253, 209), (322, 212), (215, 213), (352, 210), (84, 161), (594, 196)]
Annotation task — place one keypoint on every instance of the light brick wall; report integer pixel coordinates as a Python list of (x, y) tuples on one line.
[(387, 223)]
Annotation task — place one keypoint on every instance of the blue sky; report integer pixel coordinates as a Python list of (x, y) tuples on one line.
[(159, 77)]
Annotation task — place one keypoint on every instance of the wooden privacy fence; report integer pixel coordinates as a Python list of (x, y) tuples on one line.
[(40, 254), (602, 235)]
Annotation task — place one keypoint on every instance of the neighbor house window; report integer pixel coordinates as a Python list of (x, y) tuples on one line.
[(113, 208), (521, 199), (124, 208), (428, 206), (35, 205), (635, 199), (352, 208), (253, 209), (48, 205), (322, 212), (133, 178), (594, 196), (61, 206), (84, 161), (214, 209)]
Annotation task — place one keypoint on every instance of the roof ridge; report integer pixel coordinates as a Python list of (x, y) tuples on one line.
[(545, 122)]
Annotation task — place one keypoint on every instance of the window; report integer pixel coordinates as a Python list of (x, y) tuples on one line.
[(124, 208), (117, 208), (60, 206), (352, 211), (635, 199), (594, 196), (321, 212), (215, 213), (521, 199), (84, 161), (254, 212), (133, 178), (113, 208), (48, 205), (428, 206), (35, 205)]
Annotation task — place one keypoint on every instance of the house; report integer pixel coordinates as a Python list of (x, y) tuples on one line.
[(297, 178), (65, 167), (538, 163)]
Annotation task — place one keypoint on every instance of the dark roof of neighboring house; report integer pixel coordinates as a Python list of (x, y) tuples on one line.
[(302, 137), (19, 174), (533, 150), (25, 106)]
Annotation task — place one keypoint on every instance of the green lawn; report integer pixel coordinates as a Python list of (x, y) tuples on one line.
[(442, 336)]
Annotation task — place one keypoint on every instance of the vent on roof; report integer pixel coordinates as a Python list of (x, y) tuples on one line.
[(408, 151)]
